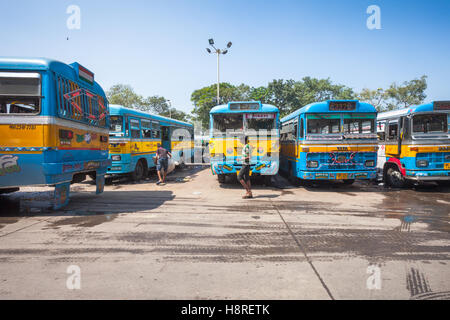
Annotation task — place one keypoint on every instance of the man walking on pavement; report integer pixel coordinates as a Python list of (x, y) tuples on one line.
[(244, 174), (163, 163)]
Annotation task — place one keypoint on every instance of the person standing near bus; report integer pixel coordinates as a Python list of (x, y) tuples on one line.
[(163, 163), (244, 174)]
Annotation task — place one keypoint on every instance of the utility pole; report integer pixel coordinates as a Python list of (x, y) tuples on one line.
[(218, 52)]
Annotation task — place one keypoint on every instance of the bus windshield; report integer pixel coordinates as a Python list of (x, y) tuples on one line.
[(359, 123), (323, 124), (20, 93), (224, 122), (430, 123), (116, 124)]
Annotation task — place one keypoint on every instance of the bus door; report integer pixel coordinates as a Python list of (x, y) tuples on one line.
[(165, 138), (392, 141), (135, 135), (381, 133)]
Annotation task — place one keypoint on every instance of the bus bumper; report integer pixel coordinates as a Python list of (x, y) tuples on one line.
[(260, 167), (333, 175), (63, 172), (119, 168), (435, 175)]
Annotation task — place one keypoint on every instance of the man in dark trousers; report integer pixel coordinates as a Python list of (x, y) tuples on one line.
[(163, 163), (244, 174)]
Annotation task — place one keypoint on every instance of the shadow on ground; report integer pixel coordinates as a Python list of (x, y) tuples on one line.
[(102, 208)]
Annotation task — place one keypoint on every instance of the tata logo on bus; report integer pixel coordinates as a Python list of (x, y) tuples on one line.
[(342, 105)]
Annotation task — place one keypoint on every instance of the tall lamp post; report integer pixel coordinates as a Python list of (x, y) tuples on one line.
[(170, 108), (218, 52)]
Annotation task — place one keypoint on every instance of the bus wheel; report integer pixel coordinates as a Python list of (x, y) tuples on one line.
[(348, 181), (292, 178), (443, 183), (221, 178), (394, 178), (138, 172)]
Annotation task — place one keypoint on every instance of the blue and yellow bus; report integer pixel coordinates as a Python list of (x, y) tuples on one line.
[(415, 144), (330, 140), (54, 124), (134, 137), (229, 124)]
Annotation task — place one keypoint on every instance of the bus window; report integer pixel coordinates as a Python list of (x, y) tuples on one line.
[(393, 131), (146, 129), (135, 130), (260, 123), (20, 93), (323, 124), (166, 133), (351, 126), (116, 123), (224, 122), (430, 123), (367, 126), (302, 128), (359, 123), (156, 130)]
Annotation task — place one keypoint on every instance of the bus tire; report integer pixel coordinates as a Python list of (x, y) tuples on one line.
[(268, 181), (139, 171), (443, 183), (348, 181), (394, 178), (292, 178), (221, 178)]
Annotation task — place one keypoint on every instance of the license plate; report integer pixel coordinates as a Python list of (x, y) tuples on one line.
[(237, 173), (447, 166), (342, 176)]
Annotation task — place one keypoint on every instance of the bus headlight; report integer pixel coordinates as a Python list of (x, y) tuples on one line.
[(369, 163), (312, 164), (116, 158), (422, 163)]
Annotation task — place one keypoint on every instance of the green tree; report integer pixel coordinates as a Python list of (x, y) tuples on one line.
[(259, 94), (291, 95), (156, 104), (281, 94), (377, 98), (124, 95), (410, 93), (205, 99), (396, 96)]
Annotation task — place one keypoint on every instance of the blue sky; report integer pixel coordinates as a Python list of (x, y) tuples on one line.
[(158, 47)]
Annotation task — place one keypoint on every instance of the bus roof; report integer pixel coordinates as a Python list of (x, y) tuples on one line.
[(323, 107), (225, 108), (426, 107), (115, 109), (70, 71)]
